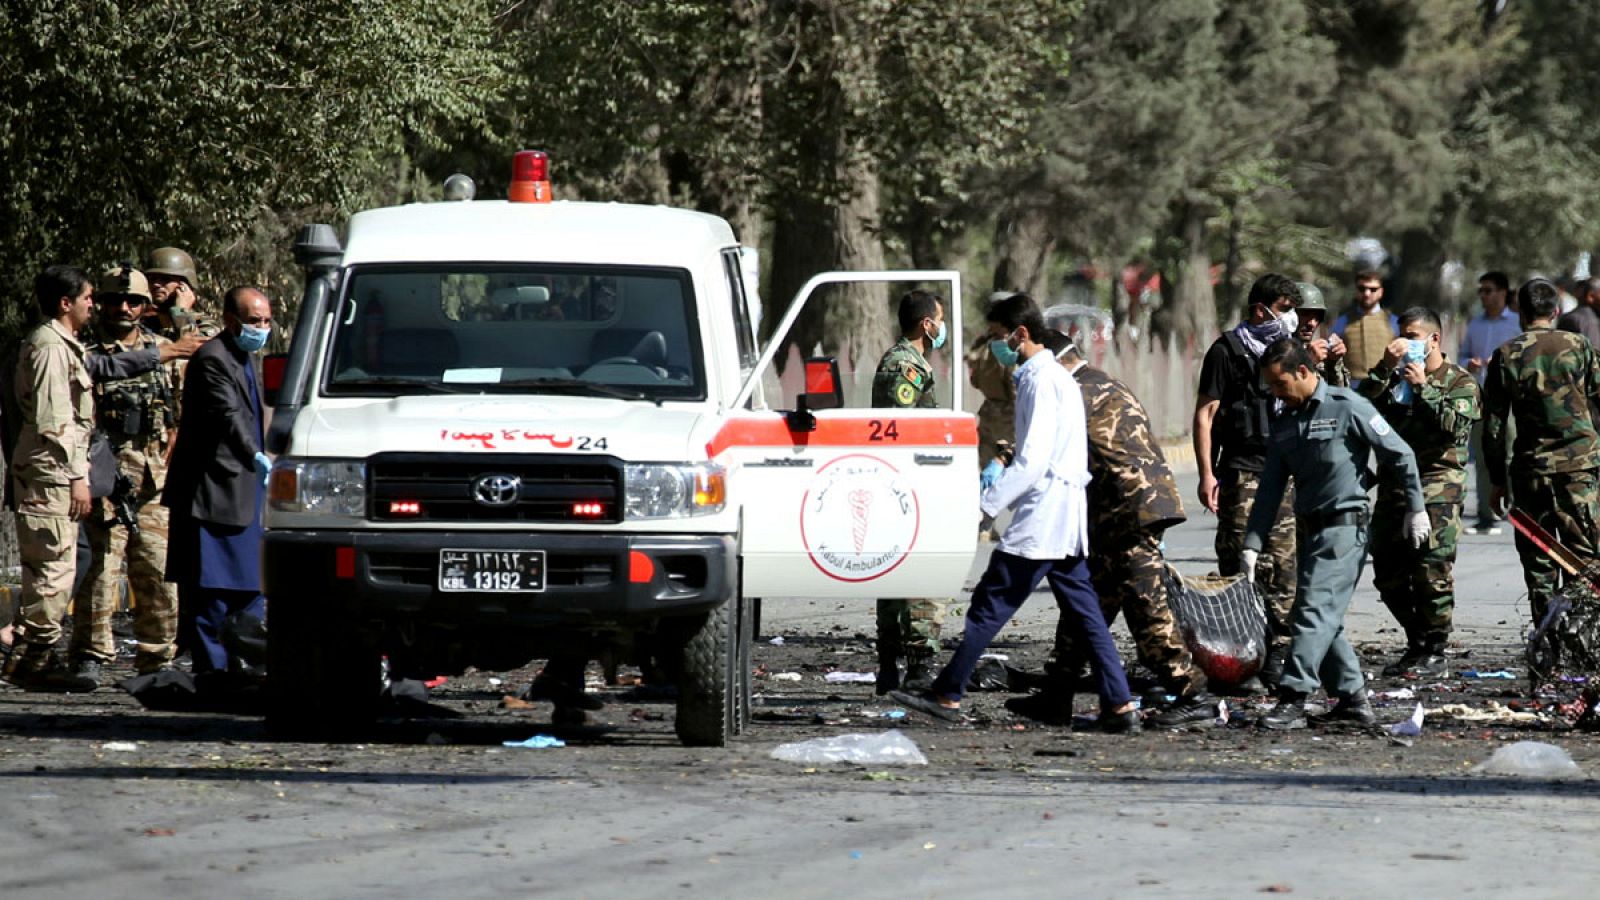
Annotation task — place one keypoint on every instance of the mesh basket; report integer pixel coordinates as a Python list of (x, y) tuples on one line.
[(1222, 621)]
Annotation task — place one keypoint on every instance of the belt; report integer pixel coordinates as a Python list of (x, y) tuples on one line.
[(1358, 517)]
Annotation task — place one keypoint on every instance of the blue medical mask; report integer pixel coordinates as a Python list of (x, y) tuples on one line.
[(252, 337), (1416, 351), (1003, 352), (938, 339)]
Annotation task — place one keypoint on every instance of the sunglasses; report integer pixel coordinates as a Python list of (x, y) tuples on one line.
[(1365, 289)]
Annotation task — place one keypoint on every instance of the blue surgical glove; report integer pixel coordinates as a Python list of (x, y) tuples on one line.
[(263, 464), (991, 474)]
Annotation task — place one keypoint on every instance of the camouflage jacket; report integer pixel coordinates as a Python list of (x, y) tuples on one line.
[(138, 414), (986, 374), (1435, 424), (1132, 485), (904, 379), (1550, 381)]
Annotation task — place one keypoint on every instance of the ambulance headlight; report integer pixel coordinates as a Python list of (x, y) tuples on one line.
[(672, 492), (332, 487)]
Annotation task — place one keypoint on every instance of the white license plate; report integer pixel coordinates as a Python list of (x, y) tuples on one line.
[(491, 571)]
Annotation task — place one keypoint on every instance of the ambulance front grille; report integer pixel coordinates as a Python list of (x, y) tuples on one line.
[(419, 487)]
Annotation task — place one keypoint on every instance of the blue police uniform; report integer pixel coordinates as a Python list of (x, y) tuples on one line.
[(1324, 444)]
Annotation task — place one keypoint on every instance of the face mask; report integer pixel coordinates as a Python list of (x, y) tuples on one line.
[(252, 337), (1003, 352), (1416, 351), (938, 339), (1291, 322)]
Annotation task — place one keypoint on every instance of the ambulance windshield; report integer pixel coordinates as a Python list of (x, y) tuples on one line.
[(612, 331)]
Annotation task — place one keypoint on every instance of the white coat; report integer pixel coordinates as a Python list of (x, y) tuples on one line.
[(1045, 484)]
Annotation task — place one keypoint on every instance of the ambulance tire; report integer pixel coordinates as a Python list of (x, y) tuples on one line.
[(324, 677), (707, 700)]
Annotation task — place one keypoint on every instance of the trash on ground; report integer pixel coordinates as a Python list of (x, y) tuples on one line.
[(495, 682), (1491, 712), (1000, 656), (851, 678), (1529, 758), (1410, 727), (777, 641), (120, 746), (1501, 674), (1222, 711), (990, 675), (1401, 694), (510, 701), (884, 748), (537, 742), (786, 676)]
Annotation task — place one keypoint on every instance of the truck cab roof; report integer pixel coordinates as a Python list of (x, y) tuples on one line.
[(563, 231)]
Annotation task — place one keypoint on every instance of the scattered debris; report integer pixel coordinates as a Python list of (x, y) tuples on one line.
[(1529, 758), (159, 832), (851, 678), (885, 748), (1410, 727), (120, 746), (777, 641), (510, 701), (786, 676), (1401, 694), (1491, 712), (537, 742), (1501, 674)]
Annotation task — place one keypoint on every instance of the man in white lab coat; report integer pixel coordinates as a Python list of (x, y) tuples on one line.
[(1048, 536)]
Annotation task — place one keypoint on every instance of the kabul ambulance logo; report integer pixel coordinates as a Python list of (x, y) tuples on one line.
[(859, 518)]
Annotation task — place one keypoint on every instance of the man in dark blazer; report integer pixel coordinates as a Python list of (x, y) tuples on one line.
[(215, 484)]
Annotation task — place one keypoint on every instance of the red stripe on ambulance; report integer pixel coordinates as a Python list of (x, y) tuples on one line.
[(878, 431)]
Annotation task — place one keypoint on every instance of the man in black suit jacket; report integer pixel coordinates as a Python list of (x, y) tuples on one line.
[(215, 484)]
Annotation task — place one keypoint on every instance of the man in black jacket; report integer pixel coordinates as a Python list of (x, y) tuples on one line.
[(215, 486)]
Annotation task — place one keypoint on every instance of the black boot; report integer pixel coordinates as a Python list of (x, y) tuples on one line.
[(888, 673), (1353, 710), (1272, 669), (1290, 713), (37, 668), (919, 673), (1192, 709)]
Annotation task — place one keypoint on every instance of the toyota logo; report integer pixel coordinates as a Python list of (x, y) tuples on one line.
[(497, 489)]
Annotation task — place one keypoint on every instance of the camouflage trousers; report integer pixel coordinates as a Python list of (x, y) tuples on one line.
[(1126, 568), (1417, 584), (1275, 568), (155, 601), (910, 628), (1567, 504), (47, 545)]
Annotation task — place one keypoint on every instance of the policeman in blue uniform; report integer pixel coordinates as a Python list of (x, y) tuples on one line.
[(1323, 439)]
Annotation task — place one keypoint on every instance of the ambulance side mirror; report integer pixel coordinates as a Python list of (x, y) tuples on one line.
[(273, 367), (823, 390)]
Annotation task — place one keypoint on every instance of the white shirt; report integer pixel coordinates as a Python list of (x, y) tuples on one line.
[(1045, 482)]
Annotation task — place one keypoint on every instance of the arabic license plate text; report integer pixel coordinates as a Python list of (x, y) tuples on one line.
[(491, 571)]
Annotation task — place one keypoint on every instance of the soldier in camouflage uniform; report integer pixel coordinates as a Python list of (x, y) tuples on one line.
[(1328, 352), (904, 380), (1232, 418), (50, 477), (997, 416), (1435, 416), (137, 415), (1133, 500), (176, 309), (1549, 381)]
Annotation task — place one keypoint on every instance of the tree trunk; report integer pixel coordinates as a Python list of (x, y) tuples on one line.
[(1193, 304), (1023, 244)]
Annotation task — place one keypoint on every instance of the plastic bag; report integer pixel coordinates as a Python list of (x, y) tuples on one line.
[(883, 748), (1529, 758), (1222, 621)]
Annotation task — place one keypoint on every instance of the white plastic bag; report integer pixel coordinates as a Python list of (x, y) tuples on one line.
[(1529, 758), (883, 748)]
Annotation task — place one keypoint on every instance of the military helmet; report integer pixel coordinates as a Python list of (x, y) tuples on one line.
[(174, 262), (123, 280), (1311, 297)]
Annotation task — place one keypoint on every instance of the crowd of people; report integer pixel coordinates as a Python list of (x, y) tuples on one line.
[(1291, 414), (133, 430)]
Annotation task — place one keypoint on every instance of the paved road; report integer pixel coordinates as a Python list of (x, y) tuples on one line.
[(207, 805)]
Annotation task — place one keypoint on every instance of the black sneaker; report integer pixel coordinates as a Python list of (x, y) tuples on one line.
[(1289, 714), (1120, 723), (924, 702), (1045, 707), (46, 673), (919, 676), (1193, 709), (1355, 710)]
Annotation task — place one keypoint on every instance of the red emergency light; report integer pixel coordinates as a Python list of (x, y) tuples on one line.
[(405, 508), (588, 510), (530, 177)]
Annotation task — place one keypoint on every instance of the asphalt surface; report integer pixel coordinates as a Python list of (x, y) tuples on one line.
[(104, 798)]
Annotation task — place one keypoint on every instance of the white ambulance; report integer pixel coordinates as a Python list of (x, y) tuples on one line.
[(507, 429)]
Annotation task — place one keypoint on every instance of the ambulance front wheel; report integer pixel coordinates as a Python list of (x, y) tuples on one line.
[(712, 652)]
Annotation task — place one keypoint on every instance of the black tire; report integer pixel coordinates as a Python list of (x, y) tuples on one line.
[(324, 677), (706, 698)]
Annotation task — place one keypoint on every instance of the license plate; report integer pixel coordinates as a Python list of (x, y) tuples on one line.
[(491, 571)]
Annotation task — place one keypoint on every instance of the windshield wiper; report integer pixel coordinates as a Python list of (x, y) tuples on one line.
[(437, 387), (595, 387)]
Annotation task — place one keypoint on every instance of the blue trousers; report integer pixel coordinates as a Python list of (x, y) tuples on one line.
[(202, 611), (1003, 589)]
